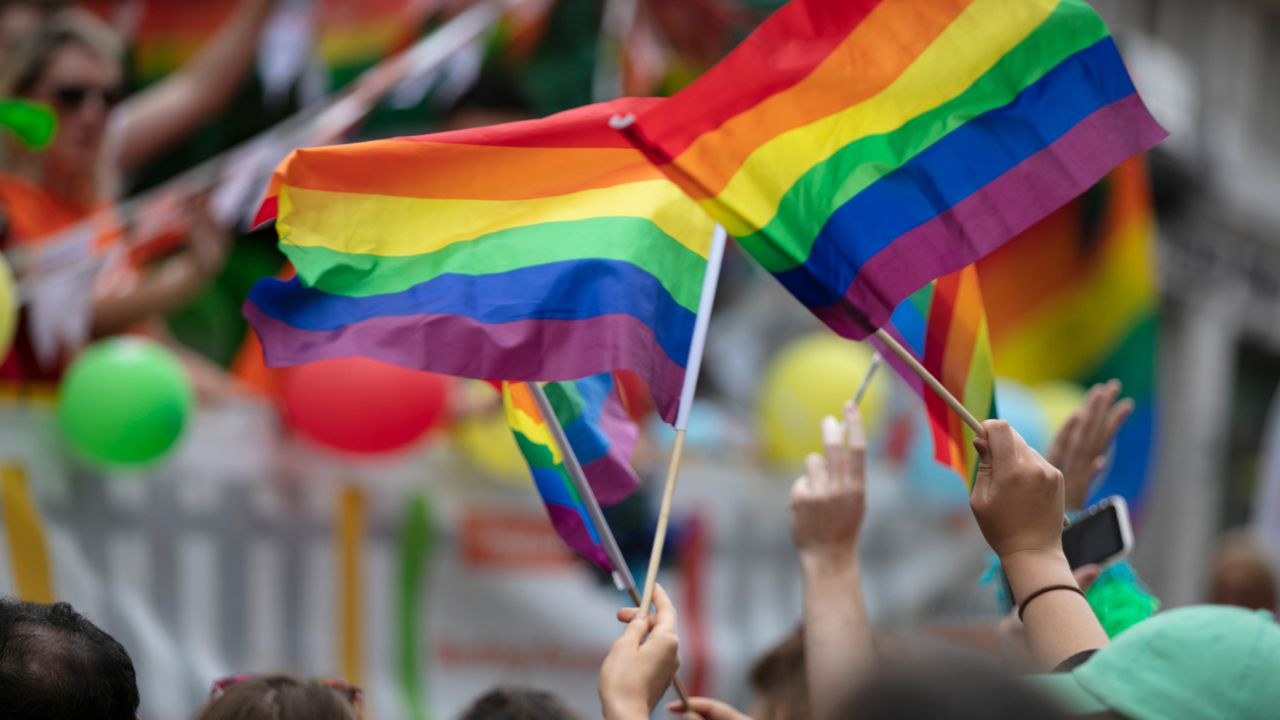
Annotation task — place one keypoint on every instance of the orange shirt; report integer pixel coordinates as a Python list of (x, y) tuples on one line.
[(33, 216)]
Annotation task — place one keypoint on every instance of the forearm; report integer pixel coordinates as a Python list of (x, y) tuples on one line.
[(168, 110), (1059, 624), (837, 637), (160, 292)]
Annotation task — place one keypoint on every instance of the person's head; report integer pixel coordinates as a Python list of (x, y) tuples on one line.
[(946, 690), (72, 64), (278, 697), (1242, 574), (20, 19), (510, 703), (55, 664), (778, 682), (1206, 661)]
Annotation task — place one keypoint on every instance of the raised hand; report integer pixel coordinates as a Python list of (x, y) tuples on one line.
[(1018, 496), (828, 502), (1079, 448)]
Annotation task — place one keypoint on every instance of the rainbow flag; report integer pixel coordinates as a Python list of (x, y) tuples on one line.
[(602, 436), (860, 148), (540, 250), (944, 325), (1076, 298)]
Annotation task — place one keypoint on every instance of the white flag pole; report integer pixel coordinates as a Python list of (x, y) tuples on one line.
[(694, 365)]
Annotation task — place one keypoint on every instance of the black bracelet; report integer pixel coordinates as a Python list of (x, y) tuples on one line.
[(1023, 606)]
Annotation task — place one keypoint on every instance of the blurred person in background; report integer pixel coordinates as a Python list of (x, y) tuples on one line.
[(72, 63), (515, 703), (778, 682), (1242, 574), (281, 697), (56, 665)]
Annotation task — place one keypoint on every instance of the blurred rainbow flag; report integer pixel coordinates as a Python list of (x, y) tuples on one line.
[(944, 325), (1075, 298), (858, 149), (603, 437)]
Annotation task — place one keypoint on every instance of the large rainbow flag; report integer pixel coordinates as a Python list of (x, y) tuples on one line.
[(944, 325), (540, 250), (602, 436), (1089, 311), (860, 148)]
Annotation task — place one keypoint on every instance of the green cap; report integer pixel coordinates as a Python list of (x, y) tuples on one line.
[(1207, 661)]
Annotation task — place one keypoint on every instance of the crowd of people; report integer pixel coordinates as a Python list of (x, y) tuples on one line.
[(1210, 661)]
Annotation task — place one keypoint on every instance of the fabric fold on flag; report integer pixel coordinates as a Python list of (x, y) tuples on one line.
[(602, 436), (541, 250), (944, 325), (860, 148)]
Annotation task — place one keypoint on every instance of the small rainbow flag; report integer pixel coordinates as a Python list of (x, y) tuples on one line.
[(602, 436), (860, 148), (1089, 311), (944, 325), (540, 250)]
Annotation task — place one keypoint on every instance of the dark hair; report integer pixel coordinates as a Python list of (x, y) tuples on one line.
[(56, 665), (278, 697), (511, 703), (778, 677), (947, 690)]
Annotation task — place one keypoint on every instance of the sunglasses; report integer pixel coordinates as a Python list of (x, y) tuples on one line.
[(351, 693), (73, 97)]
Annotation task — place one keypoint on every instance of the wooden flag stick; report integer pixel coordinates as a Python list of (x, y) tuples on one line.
[(931, 381), (579, 479), (696, 345)]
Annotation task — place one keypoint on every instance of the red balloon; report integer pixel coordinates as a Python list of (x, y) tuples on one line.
[(363, 406)]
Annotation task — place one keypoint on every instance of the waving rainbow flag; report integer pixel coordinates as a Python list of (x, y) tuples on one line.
[(540, 250), (860, 148), (944, 325), (603, 437), (1076, 298)]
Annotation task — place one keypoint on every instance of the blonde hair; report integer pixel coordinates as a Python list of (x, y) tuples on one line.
[(66, 28)]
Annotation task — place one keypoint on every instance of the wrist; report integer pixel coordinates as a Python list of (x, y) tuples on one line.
[(1030, 570), (826, 559), (623, 709)]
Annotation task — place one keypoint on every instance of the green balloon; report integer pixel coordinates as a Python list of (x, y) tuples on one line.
[(124, 402)]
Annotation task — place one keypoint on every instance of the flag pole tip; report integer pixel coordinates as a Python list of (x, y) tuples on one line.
[(622, 122)]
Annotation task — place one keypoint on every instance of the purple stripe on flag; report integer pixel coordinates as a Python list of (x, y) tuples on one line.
[(987, 219), (611, 476), (455, 345), (569, 526)]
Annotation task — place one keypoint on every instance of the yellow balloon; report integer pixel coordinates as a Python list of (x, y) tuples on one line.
[(811, 378), (8, 307), (485, 440), (1058, 399)]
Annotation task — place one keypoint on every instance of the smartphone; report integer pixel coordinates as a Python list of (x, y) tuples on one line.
[(1099, 536)]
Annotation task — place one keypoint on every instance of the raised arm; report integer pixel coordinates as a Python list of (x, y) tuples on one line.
[(1018, 503), (1079, 449), (165, 112), (827, 506)]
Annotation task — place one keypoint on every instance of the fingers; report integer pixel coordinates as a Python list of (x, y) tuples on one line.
[(1002, 447), (836, 448), (627, 614), (857, 442), (634, 633), (1116, 418), (815, 470), (1086, 575), (707, 709), (665, 617), (1060, 450)]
